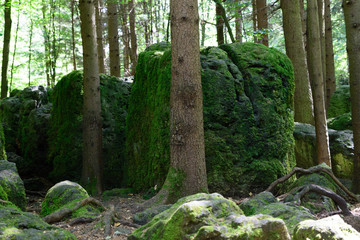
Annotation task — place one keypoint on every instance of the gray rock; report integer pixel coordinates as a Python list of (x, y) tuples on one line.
[(330, 228), (144, 217)]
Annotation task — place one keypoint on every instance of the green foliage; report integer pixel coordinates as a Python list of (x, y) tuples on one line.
[(3, 195), (248, 118), (340, 102), (341, 122)]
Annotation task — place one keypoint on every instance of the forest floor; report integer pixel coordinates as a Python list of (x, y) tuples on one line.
[(124, 226)]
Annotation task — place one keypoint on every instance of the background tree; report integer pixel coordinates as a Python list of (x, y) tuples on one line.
[(6, 48), (352, 22), (262, 21), (316, 74), (133, 41), (92, 169), (219, 24), (113, 38), (295, 50), (99, 33)]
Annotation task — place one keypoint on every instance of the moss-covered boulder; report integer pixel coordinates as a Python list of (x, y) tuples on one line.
[(25, 118), (340, 101), (12, 184), (209, 216), (266, 203), (65, 195), (330, 228), (341, 122), (66, 133), (15, 224), (248, 118), (341, 149)]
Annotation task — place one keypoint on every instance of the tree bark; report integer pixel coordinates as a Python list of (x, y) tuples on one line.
[(295, 49), (238, 21), (316, 75), (113, 37), (15, 48), (92, 169), (6, 49), (321, 13), (125, 39), (219, 25), (133, 39), (99, 33), (329, 50), (254, 20), (352, 23), (73, 35), (262, 19)]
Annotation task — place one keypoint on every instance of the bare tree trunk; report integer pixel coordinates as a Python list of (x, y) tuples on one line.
[(238, 21), (316, 74), (125, 38), (352, 20), (219, 25), (6, 48), (73, 35), (113, 37), (99, 33), (321, 13), (14, 53), (47, 44), (330, 65), (133, 40), (30, 50), (254, 20), (92, 171), (262, 19), (295, 50), (146, 25)]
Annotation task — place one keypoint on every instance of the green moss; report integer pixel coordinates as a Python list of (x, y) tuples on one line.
[(3, 195), (248, 118), (117, 192), (341, 122), (340, 101)]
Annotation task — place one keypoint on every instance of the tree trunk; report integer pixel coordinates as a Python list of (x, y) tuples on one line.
[(99, 33), (125, 39), (54, 44), (146, 24), (219, 25), (295, 50), (187, 174), (254, 20), (133, 40), (316, 74), (113, 37), (73, 35), (238, 21), (330, 65), (30, 49), (321, 13), (6, 49), (92, 170), (14, 53), (46, 36), (262, 19), (352, 23)]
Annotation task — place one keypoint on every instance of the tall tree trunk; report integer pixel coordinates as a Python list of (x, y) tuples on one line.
[(330, 65), (125, 38), (54, 44), (321, 13), (46, 36), (254, 20), (113, 36), (316, 74), (225, 21), (6, 49), (30, 49), (238, 21), (14, 53), (133, 39), (99, 33), (262, 19), (146, 25), (73, 35), (352, 23), (92, 171), (295, 50), (219, 25)]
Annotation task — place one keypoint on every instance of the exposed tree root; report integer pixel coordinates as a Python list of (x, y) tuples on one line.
[(82, 220), (316, 169), (62, 213), (326, 192)]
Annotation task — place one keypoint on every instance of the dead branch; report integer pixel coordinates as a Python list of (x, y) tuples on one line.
[(64, 212), (311, 170), (82, 220), (326, 192)]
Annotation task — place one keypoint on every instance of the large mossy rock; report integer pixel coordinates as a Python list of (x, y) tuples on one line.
[(341, 149), (266, 203), (330, 228), (340, 102), (248, 118), (66, 133), (12, 185), (209, 216), (15, 224), (65, 195), (25, 118)]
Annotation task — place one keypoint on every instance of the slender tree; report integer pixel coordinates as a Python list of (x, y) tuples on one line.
[(329, 50), (254, 20), (295, 49), (352, 23), (6, 49), (125, 38), (73, 43), (262, 21), (321, 14), (219, 24), (238, 21), (133, 38), (99, 33), (113, 37), (14, 52), (92, 169), (316, 74)]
